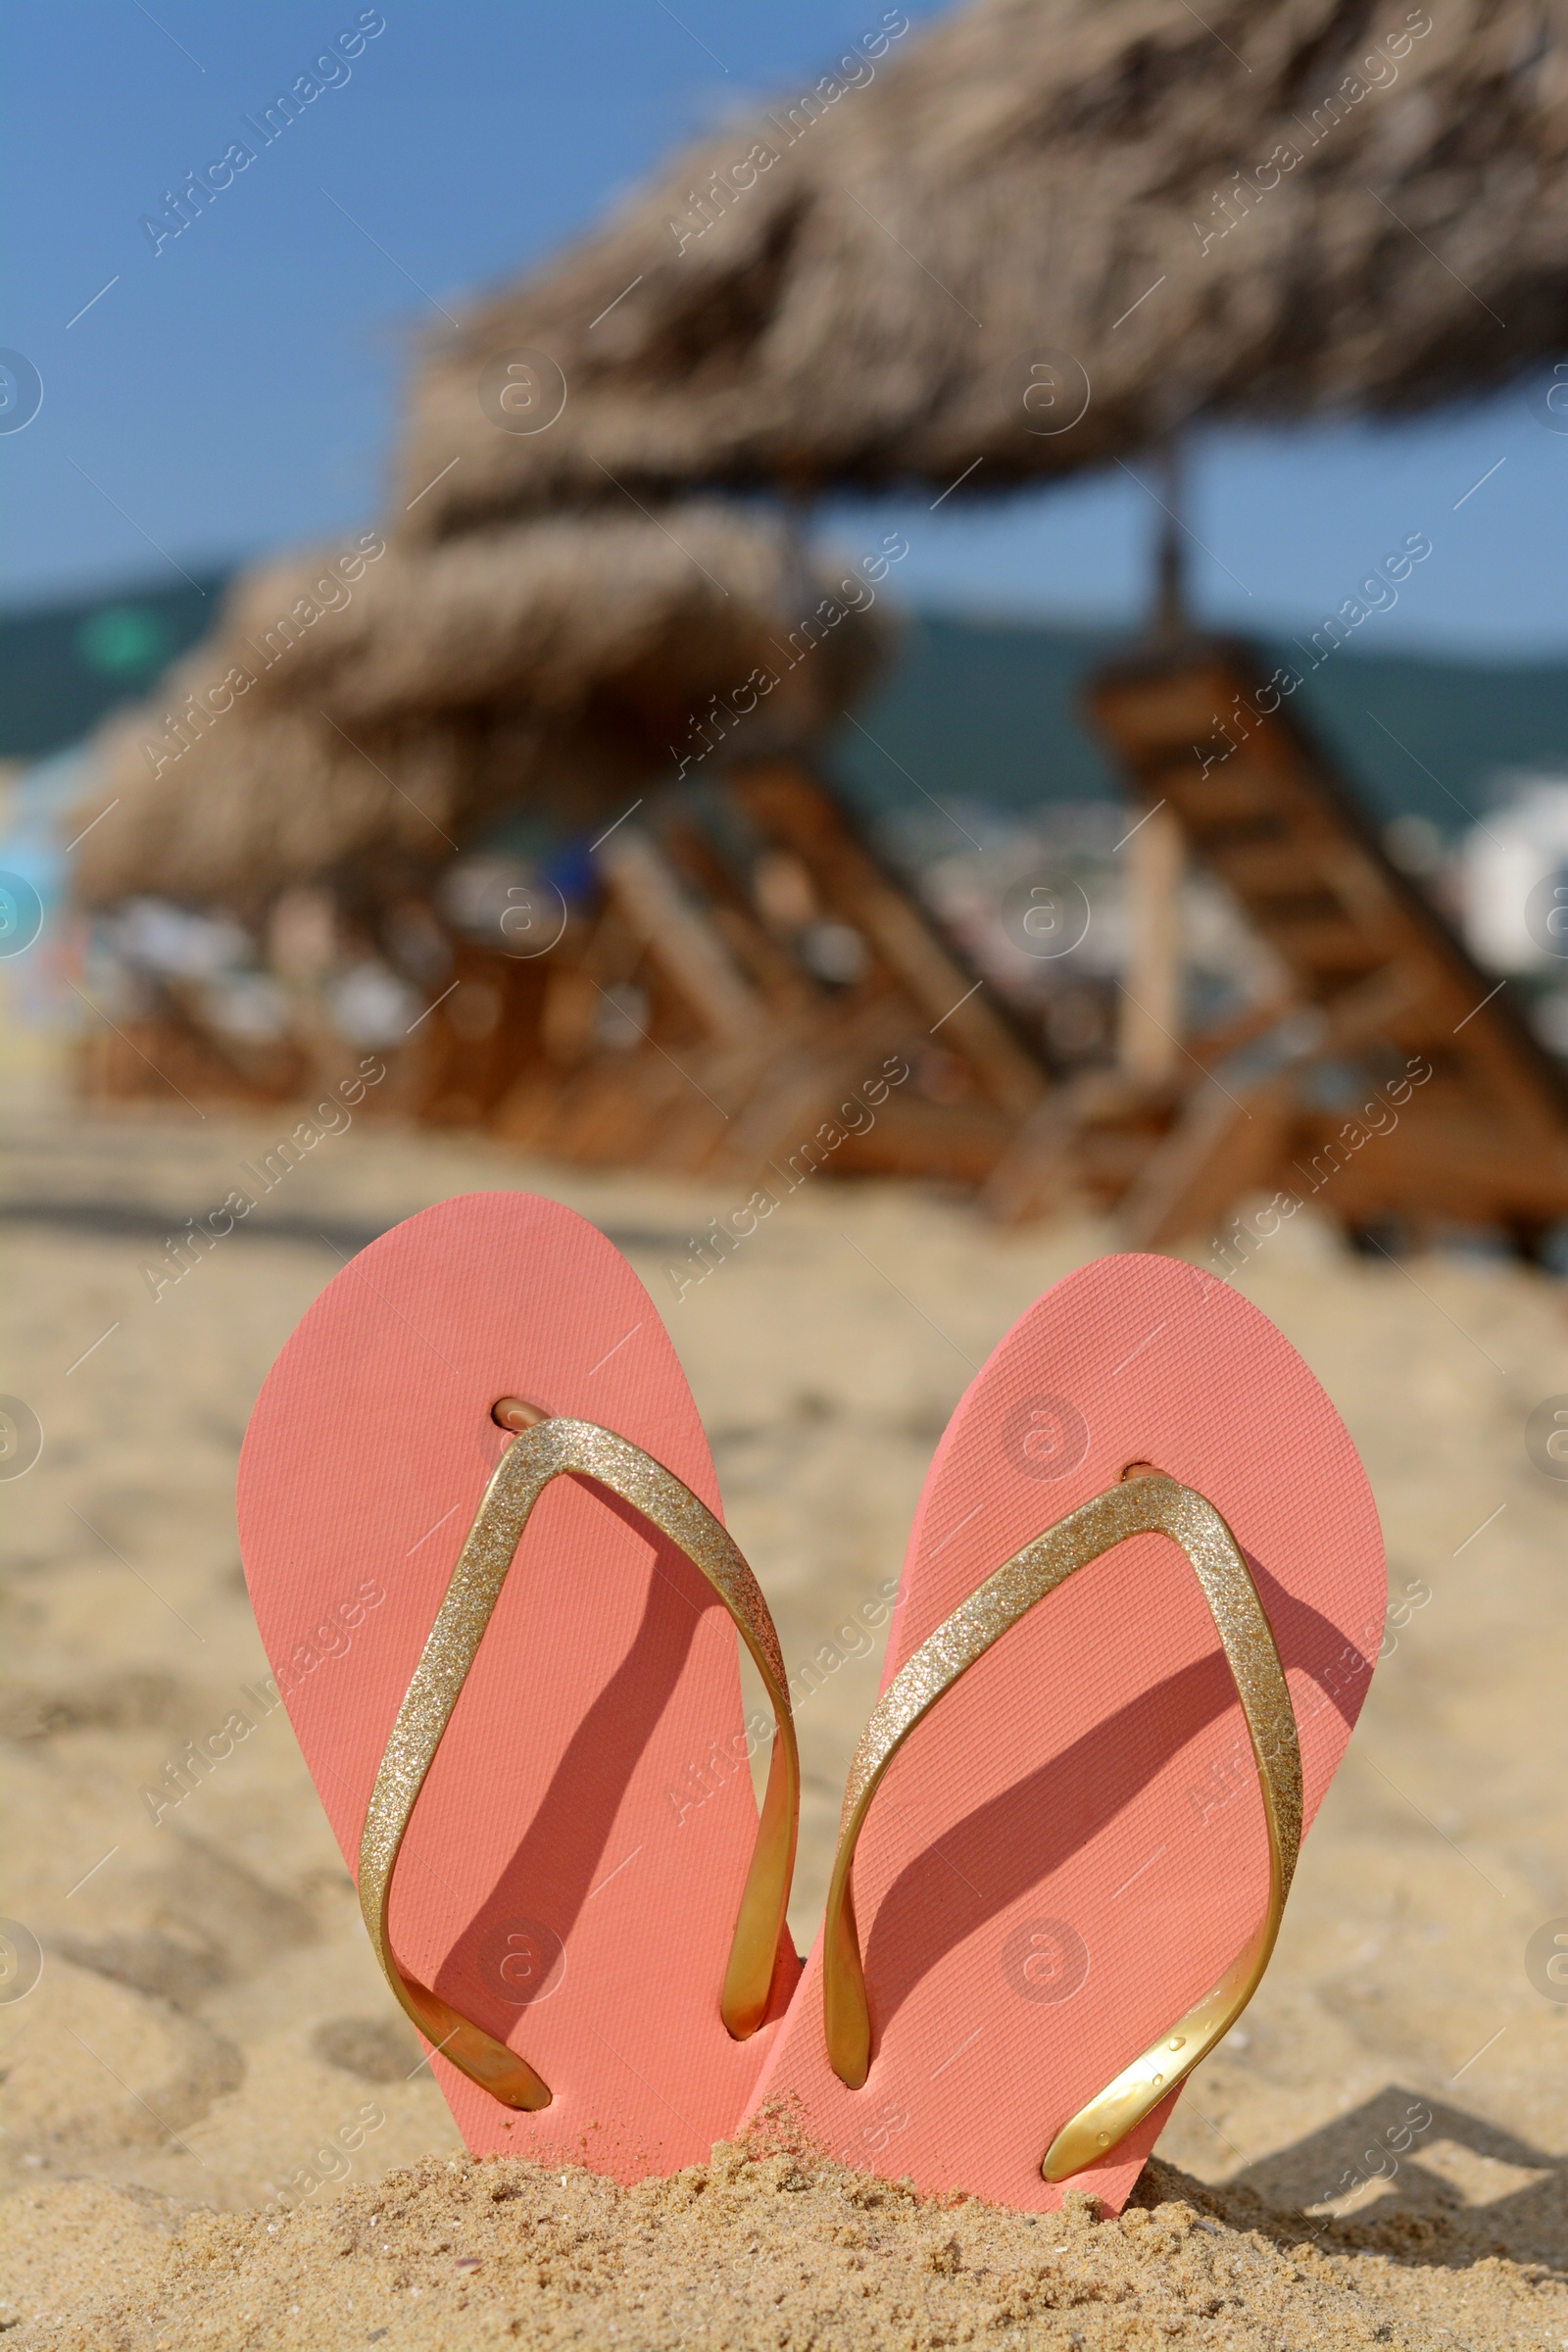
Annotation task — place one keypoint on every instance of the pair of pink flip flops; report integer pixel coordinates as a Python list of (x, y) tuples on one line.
[(1069, 1827)]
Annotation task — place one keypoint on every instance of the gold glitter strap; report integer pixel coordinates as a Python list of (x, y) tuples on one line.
[(554, 1449), (1146, 1503)]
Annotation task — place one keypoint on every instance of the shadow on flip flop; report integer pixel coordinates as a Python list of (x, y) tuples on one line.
[(560, 1855), (991, 1859)]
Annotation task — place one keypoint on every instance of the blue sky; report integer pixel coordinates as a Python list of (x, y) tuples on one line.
[(238, 391)]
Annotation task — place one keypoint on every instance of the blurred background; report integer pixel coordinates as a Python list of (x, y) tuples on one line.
[(1230, 412)]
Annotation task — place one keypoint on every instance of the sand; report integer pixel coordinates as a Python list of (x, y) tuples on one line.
[(760, 2247), (1378, 2154)]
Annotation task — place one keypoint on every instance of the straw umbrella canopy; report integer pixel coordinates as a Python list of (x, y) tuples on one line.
[(561, 664), (1041, 235)]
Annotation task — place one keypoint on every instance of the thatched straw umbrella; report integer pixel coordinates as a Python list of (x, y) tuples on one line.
[(562, 664), (1269, 208)]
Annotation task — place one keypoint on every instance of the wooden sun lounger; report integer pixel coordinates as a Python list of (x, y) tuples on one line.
[(1203, 732)]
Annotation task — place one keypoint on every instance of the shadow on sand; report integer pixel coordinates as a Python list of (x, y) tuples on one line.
[(1453, 2194)]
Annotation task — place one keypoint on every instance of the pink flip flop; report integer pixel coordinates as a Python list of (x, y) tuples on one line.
[(511, 1663), (1061, 1893)]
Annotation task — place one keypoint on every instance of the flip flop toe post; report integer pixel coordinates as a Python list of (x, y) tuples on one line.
[(483, 1535), (1143, 1598)]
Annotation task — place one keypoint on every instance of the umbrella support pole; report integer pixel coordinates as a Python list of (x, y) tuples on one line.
[(1151, 1021)]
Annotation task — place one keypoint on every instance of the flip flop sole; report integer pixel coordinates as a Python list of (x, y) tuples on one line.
[(572, 1870), (1071, 1848)]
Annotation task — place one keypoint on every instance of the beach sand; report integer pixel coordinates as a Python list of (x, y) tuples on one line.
[(1378, 2154)]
